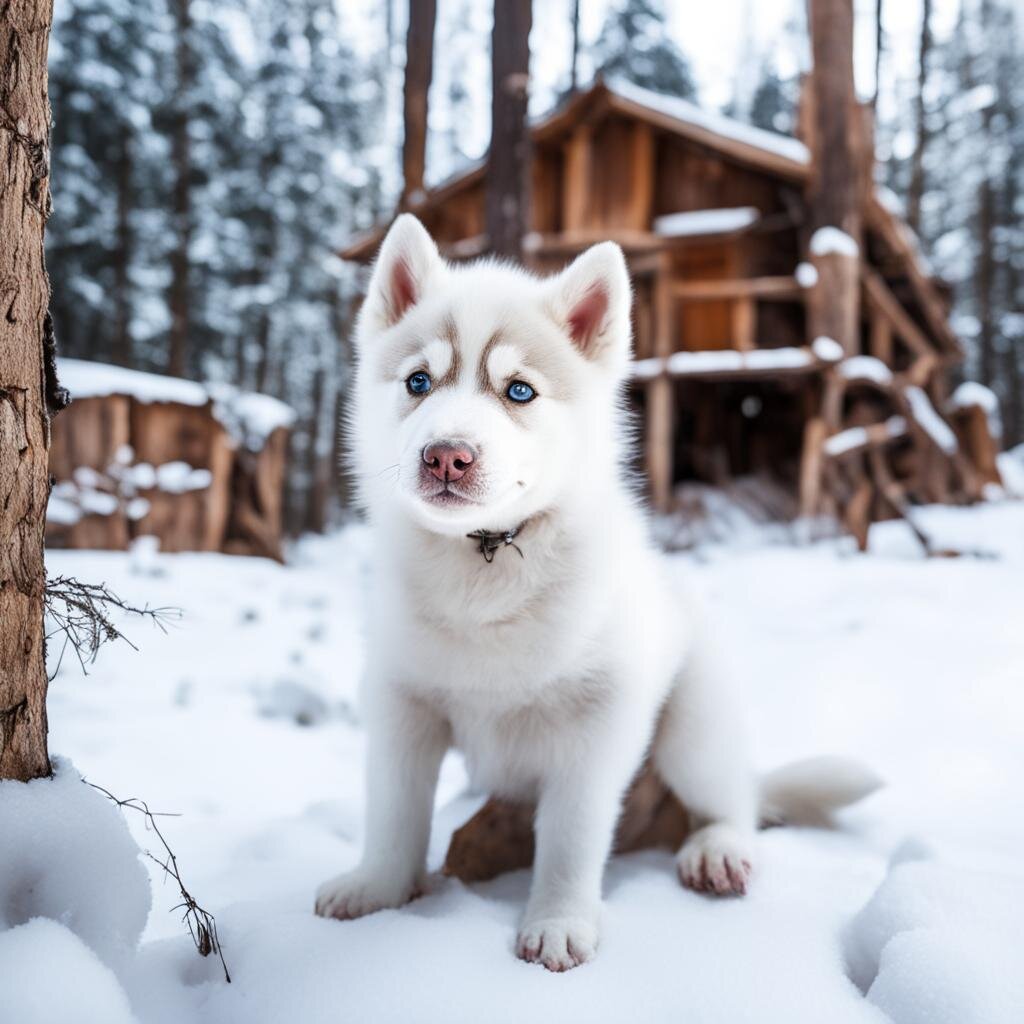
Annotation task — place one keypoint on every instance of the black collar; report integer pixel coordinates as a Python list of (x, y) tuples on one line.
[(490, 541)]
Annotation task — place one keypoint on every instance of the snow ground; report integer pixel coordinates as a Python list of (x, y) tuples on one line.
[(243, 719)]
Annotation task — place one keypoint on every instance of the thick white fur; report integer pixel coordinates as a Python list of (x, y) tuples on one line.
[(554, 673)]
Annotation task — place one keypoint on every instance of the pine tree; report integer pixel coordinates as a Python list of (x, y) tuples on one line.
[(634, 44)]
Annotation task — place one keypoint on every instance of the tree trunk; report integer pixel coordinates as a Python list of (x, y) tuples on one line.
[(916, 189), (419, 69), (508, 167), (178, 354), (26, 377), (574, 69), (840, 171), (985, 265), (122, 348), (879, 46)]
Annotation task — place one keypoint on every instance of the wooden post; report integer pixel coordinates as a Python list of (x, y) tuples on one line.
[(836, 189), (576, 180), (641, 174), (507, 203), (419, 70), (811, 456), (26, 366), (744, 323), (659, 426)]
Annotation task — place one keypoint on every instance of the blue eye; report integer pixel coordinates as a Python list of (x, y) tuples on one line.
[(520, 391), (418, 383)]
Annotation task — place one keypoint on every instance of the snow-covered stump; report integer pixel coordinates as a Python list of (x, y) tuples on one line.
[(74, 898)]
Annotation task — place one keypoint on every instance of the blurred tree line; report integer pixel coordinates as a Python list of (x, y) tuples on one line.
[(210, 156)]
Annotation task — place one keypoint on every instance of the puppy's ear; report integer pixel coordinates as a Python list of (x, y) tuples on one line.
[(406, 260), (590, 302)]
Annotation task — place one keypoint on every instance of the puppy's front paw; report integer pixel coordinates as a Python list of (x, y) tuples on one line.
[(717, 860), (559, 943), (362, 892)]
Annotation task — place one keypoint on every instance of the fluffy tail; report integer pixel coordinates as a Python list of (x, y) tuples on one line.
[(806, 792)]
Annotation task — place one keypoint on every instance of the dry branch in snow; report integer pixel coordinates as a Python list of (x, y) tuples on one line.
[(202, 925)]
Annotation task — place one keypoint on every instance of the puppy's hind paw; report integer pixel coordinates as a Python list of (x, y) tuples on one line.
[(715, 860), (360, 892), (558, 943)]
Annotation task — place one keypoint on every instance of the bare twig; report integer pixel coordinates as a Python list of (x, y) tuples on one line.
[(201, 923), (81, 611)]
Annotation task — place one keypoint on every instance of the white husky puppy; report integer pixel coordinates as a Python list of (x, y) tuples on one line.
[(520, 612)]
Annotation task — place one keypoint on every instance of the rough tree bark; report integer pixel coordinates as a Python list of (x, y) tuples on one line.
[(879, 47), (122, 347), (985, 264), (574, 67), (507, 207), (839, 169), (915, 191), (419, 70), (177, 351), (26, 382)]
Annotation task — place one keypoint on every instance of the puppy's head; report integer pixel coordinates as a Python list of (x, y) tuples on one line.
[(484, 391)]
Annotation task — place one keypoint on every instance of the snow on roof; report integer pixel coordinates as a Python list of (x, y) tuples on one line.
[(249, 417), (690, 113), (831, 240), (98, 380), (866, 368), (706, 222), (930, 421), (723, 361), (972, 393)]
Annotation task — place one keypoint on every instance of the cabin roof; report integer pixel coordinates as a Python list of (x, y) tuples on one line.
[(779, 156), (763, 150)]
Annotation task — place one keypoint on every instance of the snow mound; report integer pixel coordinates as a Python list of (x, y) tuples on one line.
[(831, 240), (827, 349), (48, 974), (806, 275), (971, 393), (866, 368), (1011, 469), (938, 945), (66, 854)]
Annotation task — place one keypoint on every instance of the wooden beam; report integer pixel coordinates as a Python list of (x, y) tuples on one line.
[(730, 364), (880, 344), (874, 435), (886, 224), (779, 288), (881, 300)]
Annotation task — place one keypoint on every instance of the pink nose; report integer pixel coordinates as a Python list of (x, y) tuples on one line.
[(448, 460)]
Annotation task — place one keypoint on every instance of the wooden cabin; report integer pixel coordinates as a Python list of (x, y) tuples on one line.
[(732, 374), (199, 468)]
